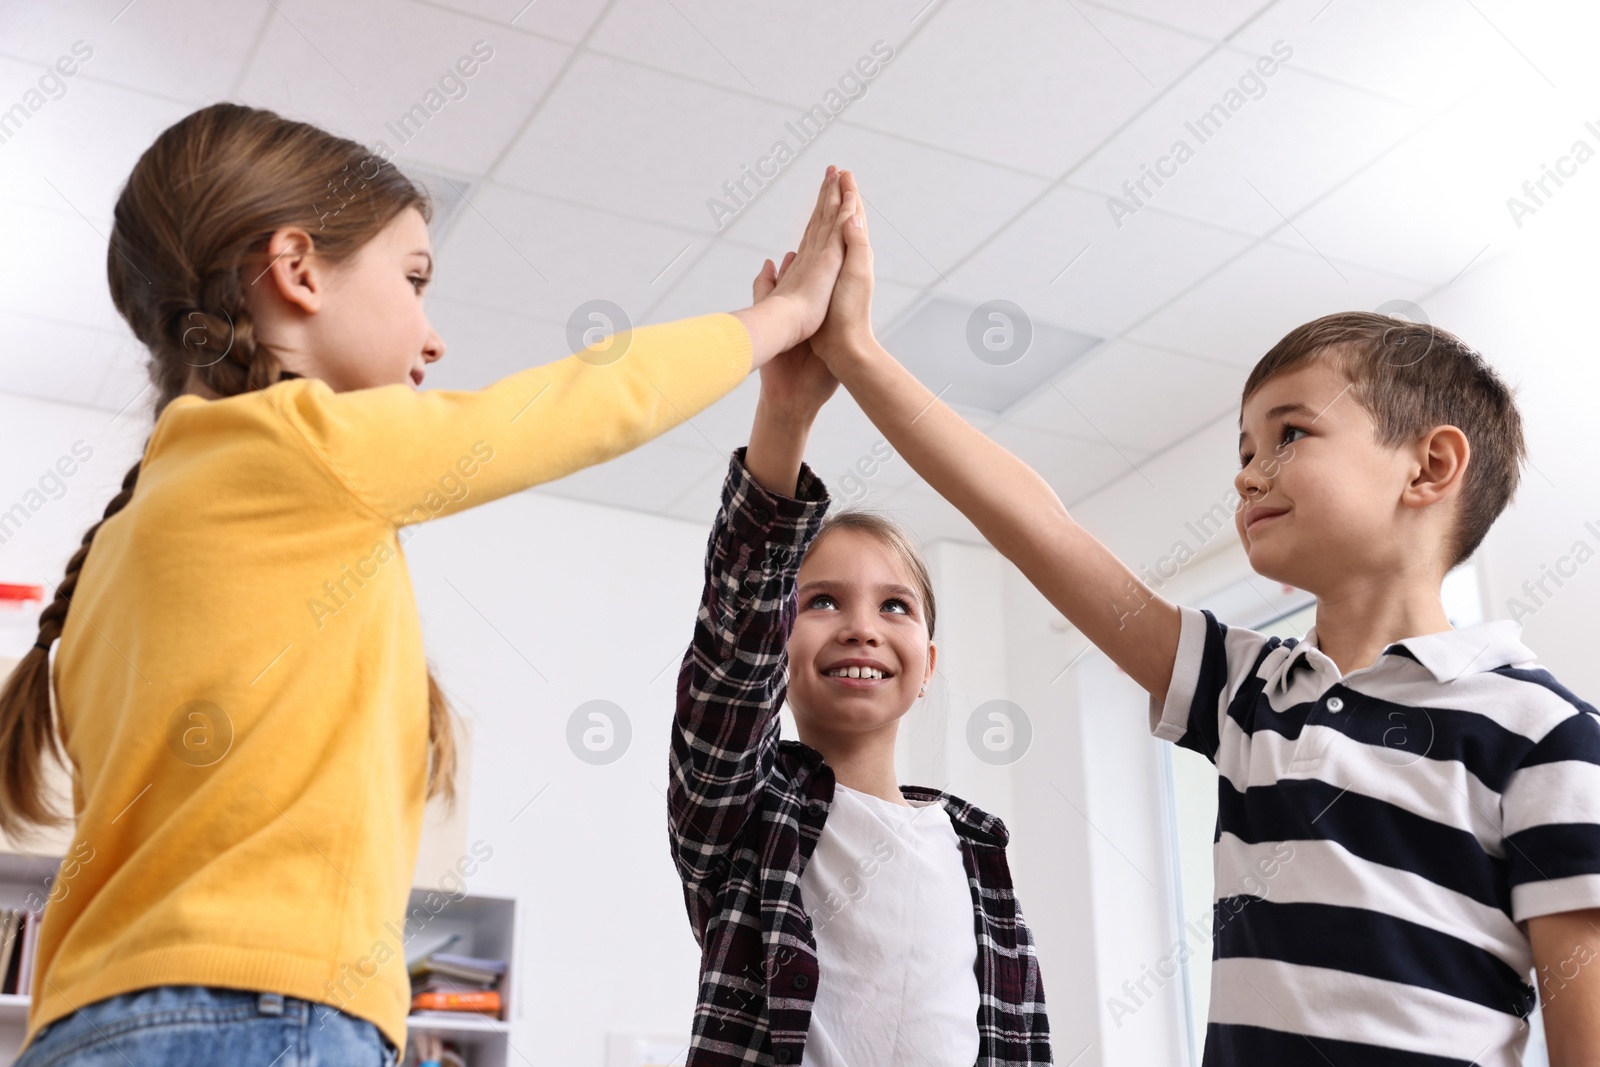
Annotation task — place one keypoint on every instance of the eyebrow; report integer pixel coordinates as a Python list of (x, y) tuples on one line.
[(429, 255), (825, 583), (1296, 408)]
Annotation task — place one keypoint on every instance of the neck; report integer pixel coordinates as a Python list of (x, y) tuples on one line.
[(1360, 618), (863, 762)]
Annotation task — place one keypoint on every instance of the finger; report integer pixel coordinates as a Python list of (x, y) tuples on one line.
[(764, 283), (822, 199), (787, 259)]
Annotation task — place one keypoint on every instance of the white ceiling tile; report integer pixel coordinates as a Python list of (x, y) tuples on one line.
[(649, 478), (790, 50), (723, 426), (528, 255), (483, 345), (927, 515), (361, 76), (1139, 398), (188, 49), (74, 153), (1215, 18), (58, 359), (67, 285), (1243, 150), (568, 20), (1034, 85), (1245, 308), (1440, 201), (1064, 262), (1073, 467), (925, 208), (614, 135), (1429, 52)]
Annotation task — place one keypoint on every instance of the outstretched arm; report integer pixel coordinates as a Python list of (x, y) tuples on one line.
[(734, 674), (1010, 504)]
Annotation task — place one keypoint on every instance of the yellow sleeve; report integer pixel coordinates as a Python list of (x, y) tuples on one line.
[(413, 455)]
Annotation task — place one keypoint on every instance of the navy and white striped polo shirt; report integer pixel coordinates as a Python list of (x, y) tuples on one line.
[(1379, 837)]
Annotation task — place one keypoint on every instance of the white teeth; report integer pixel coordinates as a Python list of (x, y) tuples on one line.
[(856, 672)]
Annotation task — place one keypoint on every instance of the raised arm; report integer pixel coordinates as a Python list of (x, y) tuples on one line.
[(734, 675), (1010, 504), (412, 455)]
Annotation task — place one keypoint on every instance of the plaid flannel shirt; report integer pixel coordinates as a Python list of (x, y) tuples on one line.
[(745, 810)]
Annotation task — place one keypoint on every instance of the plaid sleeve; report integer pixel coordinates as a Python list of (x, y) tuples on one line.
[(1551, 818), (735, 672), (1212, 662)]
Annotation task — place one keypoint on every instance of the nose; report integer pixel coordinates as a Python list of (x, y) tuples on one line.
[(860, 626), (433, 347), (1250, 482)]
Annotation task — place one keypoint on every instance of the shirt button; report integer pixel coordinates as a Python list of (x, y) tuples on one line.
[(816, 807), (763, 515), (801, 982), (784, 1055), (1335, 704)]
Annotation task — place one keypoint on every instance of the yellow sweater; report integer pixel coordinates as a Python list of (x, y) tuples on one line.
[(241, 678)]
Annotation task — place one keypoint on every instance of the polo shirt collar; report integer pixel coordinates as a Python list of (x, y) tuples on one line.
[(1447, 655)]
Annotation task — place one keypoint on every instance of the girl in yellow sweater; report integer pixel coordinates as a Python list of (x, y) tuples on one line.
[(241, 693)]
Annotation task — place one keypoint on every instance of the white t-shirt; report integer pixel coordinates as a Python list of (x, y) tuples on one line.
[(897, 951)]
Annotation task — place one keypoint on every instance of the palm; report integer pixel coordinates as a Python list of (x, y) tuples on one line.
[(795, 379)]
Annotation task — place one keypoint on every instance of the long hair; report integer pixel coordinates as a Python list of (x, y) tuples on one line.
[(189, 233)]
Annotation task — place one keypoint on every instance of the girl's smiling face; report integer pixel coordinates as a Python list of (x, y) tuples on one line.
[(858, 608)]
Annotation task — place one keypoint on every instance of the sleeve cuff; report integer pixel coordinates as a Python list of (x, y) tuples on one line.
[(1533, 899), (756, 514), (1169, 718)]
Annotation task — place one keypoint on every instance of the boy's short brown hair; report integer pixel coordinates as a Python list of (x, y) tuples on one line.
[(1412, 377)]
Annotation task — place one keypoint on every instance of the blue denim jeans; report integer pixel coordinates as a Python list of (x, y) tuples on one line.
[(203, 1026)]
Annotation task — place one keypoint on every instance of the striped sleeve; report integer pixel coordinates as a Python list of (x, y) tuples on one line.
[(1551, 812), (735, 673), (1212, 662)]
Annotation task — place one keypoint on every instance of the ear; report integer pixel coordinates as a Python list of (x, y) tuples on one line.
[(933, 658), (290, 270), (1441, 467)]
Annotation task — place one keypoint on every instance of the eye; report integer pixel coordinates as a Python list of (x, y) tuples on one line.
[(1285, 439), (906, 608), (418, 281), (820, 596)]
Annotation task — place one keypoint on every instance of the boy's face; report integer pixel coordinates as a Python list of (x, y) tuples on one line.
[(1319, 496), (855, 603)]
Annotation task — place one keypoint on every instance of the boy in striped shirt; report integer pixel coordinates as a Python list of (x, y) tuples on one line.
[(1427, 798)]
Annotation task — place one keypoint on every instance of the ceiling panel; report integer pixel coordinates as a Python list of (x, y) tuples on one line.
[(189, 50), (1237, 148), (1134, 396), (1242, 310), (614, 133), (911, 193), (398, 80), (1069, 77), (1215, 19), (1064, 261), (567, 21), (792, 50)]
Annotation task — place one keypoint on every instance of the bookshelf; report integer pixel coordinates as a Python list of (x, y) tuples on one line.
[(486, 925)]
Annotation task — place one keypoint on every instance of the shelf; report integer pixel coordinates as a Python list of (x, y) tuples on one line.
[(465, 1023), (13, 1008)]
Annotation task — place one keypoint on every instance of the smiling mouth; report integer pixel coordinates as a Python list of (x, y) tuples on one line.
[(864, 678), (1261, 517)]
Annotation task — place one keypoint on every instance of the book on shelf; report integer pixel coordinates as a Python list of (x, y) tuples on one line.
[(19, 938), (465, 968), (478, 1001)]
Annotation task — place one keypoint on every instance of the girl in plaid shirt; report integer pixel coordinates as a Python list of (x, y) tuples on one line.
[(842, 919)]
